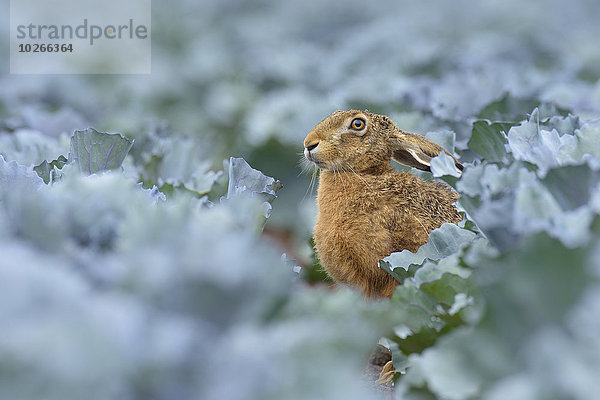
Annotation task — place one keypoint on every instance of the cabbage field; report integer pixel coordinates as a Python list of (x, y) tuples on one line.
[(155, 230)]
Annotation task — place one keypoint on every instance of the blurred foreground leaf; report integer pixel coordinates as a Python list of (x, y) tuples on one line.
[(13, 176), (533, 332)]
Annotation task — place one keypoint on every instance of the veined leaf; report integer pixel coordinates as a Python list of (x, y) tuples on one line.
[(92, 151)]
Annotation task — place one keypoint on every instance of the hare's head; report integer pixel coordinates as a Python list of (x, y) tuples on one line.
[(365, 142)]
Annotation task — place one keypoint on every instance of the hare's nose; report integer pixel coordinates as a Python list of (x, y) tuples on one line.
[(312, 146)]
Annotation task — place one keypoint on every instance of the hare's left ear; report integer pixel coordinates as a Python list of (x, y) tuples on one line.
[(416, 151)]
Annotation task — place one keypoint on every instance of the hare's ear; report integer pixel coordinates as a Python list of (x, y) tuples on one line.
[(416, 151)]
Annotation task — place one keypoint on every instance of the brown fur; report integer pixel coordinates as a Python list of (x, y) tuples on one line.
[(368, 210)]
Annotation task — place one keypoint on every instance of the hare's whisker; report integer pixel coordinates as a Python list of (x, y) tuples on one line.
[(305, 165), (311, 186)]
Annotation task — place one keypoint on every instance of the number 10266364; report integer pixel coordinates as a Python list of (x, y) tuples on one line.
[(45, 48)]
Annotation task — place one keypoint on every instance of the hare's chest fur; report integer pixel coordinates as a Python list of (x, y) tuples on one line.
[(352, 232)]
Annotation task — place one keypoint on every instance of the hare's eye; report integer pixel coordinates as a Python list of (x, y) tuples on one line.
[(357, 124)]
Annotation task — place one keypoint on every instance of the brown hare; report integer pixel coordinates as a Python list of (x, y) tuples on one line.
[(367, 209)]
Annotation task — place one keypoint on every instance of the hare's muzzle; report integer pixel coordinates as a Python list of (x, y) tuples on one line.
[(307, 151)]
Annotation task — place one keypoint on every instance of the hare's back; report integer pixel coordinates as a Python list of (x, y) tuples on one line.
[(432, 202)]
